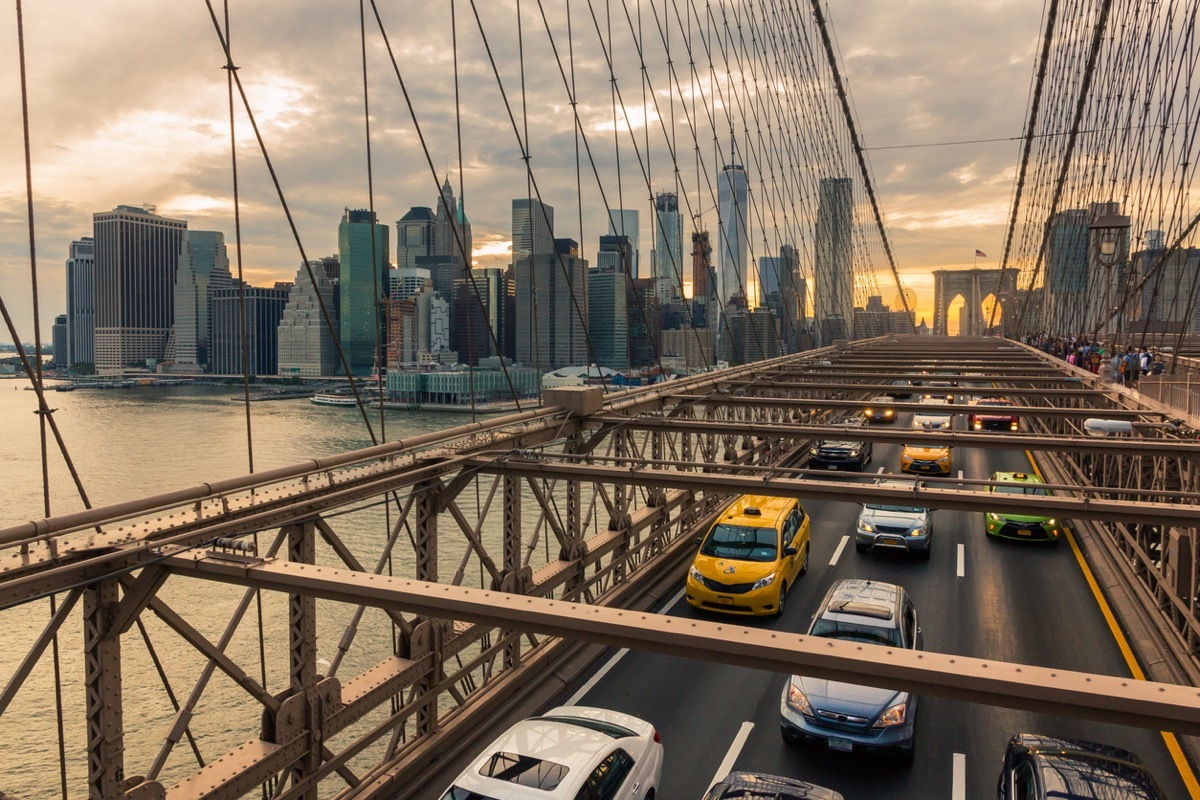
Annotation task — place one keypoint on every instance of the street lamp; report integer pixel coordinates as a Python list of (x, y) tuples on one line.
[(1108, 235)]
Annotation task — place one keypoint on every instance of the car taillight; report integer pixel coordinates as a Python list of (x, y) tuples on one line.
[(657, 740)]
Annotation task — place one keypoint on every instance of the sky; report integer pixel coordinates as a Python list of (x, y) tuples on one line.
[(128, 105)]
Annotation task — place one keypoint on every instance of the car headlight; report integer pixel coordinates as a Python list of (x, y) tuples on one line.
[(917, 531), (762, 583), (893, 716), (695, 573), (798, 700), (978, 424), (868, 412), (814, 450), (944, 460), (1051, 522), (856, 452), (993, 517), (866, 527), (1012, 426), (888, 412)]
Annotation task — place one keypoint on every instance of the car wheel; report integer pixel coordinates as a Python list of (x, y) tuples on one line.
[(782, 599), (906, 755), (927, 552), (650, 795), (807, 550), (789, 738), (860, 547)]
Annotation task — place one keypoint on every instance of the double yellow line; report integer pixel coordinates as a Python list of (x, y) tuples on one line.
[(1135, 669)]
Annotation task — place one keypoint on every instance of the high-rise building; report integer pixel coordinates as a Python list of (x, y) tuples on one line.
[(1066, 257), (669, 268), (363, 254), (645, 322), (306, 342), (263, 312), (625, 222), (402, 340), (482, 316), (532, 228), (551, 314), (733, 209), (58, 341), (137, 253), (452, 234), (608, 318), (769, 270), (833, 293), (407, 281), (81, 303), (753, 334), (1167, 302), (704, 283), (414, 236), (203, 269)]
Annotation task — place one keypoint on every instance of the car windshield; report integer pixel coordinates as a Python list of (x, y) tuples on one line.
[(895, 509), (742, 543), (455, 793), (598, 725), (524, 770), (1020, 488), (1080, 776), (831, 629)]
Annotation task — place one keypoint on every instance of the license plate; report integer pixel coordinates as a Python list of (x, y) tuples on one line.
[(728, 601), (1024, 532), (833, 466), (892, 540), (842, 745)]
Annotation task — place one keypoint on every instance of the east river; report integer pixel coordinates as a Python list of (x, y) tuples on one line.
[(131, 443)]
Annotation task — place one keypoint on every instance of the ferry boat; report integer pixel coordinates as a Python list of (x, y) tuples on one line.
[(333, 399)]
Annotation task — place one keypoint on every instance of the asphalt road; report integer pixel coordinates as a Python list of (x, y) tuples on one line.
[(1018, 602)]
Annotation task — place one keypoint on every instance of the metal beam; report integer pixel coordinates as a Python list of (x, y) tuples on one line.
[(1045, 690)]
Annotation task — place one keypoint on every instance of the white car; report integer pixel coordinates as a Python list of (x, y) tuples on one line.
[(568, 752), (931, 416)]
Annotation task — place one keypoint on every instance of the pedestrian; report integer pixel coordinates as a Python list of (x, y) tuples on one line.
[(1130, 367), (1115, 367)]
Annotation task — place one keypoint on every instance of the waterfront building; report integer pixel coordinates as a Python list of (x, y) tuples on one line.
[(81, 304), (362, 254), (607, 295), (136, 256), (833, 293), (460, 389), (203, 269), (668, 247), (306, 341), (551, 314), (263, 309), (733, 209), (626, 222), (58, 341)]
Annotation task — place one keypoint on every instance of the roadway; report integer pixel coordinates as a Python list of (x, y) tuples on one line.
[(1022, 603)]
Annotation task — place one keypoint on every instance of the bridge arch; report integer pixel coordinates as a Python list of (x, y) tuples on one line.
[(974, 285)]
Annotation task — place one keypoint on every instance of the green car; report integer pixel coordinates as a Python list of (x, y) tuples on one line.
[(1022, 527)]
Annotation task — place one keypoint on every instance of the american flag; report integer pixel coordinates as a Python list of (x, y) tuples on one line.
[(980, 254)]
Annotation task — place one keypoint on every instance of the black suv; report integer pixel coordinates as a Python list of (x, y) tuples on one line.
[(1039, 767), (841, 454)]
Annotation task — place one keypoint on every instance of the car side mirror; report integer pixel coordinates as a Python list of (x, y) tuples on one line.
[(790, 551)]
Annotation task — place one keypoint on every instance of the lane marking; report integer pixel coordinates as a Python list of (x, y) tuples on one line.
[(574, 699), (735, 750), (962, 561), (960, 476), (838, 553), (1172, 742), (880, 470), (958, 786)]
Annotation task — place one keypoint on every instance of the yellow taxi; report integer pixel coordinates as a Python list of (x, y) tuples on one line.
[(750, 557), (925, 459)]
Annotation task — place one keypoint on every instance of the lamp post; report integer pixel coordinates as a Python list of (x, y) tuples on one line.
[(1108, 232)]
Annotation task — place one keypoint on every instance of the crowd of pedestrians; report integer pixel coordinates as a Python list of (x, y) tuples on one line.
[(1124, 366)]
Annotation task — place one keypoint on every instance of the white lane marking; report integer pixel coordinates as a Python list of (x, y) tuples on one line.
[(960, 475), (612, 662), (735, 750), (962, 560), (838, 553), (880, 471), (958, 787)]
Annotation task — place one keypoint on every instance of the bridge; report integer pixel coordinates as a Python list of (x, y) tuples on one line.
[(360, 625)]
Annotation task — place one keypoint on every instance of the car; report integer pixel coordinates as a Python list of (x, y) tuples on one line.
[(844, 716), (930, 417), (566, 753), (1023, 527), (901, 389), (841, 454), (881, 410), (1039, 767), (750, 557), (757, 786), (939, 390), (894, 526), (925, 459), (994, 418)]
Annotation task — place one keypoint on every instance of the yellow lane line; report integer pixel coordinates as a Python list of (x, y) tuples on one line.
[(1171, 741)]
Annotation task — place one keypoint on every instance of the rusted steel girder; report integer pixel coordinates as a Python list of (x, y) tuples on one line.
[(1049, 691), (899, 405)]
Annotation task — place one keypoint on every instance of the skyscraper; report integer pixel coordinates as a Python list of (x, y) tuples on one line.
[(58, 341), (203, 269), (668, 247), (551, 316), (81, 303), (483, 300), (608, 317), (414, 236), (305, 341), (704, 283), (625, 222), (137, 253), (407, 281), (532, 228), (263, 311), (833, 293), (733, 209), (362, 286)]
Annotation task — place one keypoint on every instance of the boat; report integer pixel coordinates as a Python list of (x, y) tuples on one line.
[(333, 399)]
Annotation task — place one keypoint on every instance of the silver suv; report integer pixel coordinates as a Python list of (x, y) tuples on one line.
[(844, 716), (895, 526)]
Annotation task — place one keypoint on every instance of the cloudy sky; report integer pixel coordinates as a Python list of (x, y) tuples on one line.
[(128, 105)]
